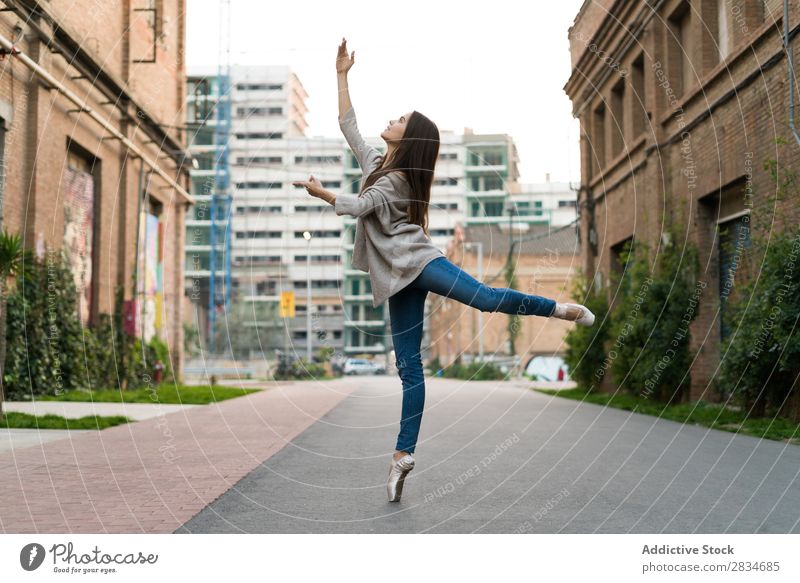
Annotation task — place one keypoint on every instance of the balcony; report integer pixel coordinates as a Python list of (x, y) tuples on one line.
[(358, 298), (365, 323)]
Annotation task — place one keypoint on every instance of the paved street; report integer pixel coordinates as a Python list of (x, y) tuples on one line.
[(313, 457), (495, 457)]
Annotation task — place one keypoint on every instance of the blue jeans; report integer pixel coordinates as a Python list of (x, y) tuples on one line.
[(406, 312)]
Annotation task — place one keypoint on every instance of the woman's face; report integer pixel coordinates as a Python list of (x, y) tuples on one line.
[(396, 128)]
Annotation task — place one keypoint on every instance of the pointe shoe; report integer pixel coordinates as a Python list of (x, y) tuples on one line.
[(574, 313), (397, 475)]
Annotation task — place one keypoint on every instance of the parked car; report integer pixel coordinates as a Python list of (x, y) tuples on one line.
[(545, 368), (353, 366)]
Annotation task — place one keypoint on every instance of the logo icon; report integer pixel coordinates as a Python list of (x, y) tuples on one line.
[(31, 556)]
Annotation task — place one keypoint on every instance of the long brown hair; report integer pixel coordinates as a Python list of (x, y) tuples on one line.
[(415, 156)]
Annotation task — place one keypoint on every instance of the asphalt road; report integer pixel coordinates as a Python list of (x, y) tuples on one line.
[(500, 458)]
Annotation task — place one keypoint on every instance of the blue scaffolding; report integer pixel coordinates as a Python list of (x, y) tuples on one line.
[(219, 285)]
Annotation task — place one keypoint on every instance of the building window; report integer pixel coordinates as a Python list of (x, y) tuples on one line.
[(334, 159), (257, 111), (320, 258), (638, 97), (78, 187), (680, 49), (258, 234), (312, 208), (259, 136), (442, 232), (258, 185), (257, 209), (257, 259), (617, 118), (493, 182), (620, 253), (493, 208), (321, 234), (445, 182), (486, 158), (723, 37), (249, 161), (445, 206), (250, 111), (266, 288), (259, 86), (598, 138), (318, 284)]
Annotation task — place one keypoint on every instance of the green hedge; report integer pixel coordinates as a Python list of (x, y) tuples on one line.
[(658, 299), (761, 356), (474, 371), (48, 349), (643, 342)]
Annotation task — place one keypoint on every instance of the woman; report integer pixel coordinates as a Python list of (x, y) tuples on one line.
[(392, 244)]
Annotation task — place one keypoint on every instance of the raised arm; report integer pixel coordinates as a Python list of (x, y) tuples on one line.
[(366, 155), (343, 64)]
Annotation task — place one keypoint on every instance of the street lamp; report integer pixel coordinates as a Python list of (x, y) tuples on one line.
[(479, 246), (307, 237)]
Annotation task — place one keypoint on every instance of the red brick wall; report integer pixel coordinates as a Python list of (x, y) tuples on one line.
[(37, 140), (728, 138)]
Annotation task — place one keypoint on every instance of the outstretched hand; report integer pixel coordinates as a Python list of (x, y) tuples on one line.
[(313, 186), (343, 62)]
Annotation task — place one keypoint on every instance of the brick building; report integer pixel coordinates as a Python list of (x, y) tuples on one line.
[(545, 260), (91, 109), (680, 104)]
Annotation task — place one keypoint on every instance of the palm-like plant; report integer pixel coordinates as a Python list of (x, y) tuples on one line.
[(14, 261)]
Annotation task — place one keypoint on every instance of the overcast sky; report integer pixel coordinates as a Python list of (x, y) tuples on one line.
[(486, 65)]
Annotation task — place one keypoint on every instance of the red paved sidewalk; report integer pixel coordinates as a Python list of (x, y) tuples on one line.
[(152, 476)]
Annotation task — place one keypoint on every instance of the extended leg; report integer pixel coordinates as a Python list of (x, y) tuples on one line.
[(406, 311), (447, 279)]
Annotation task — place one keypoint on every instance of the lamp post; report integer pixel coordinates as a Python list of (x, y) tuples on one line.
[(307, 237), (479, 247)]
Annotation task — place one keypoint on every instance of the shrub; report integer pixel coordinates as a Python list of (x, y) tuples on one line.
[(474, 371), (650, 331), (585, 351), (50, 351), (761, 356)]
